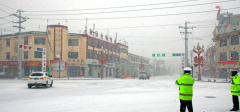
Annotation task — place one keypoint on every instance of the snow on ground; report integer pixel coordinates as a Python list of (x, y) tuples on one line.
[(159, 94)]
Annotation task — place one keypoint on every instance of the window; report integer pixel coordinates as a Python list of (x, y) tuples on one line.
[(8, 43), (73, 55), (114, 58), (72, 42), (95, 44), (36, 74), (39, 40), (25, 55), (110, 57), (223, 56), (16, 47), (223, 42), (7, 56), (106, 47), (110, 48), (89, 43), (106, 57), (26, 41), (234, 40), (89, 54), (234, 55), (95, 55), (37, 54)]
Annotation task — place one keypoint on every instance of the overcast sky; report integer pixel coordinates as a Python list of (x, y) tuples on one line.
[(141, 40)]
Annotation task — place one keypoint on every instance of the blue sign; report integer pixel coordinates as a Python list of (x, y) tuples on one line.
[(178, 54)]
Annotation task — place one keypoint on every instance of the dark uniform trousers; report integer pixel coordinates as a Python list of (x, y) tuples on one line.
[(235, 102), (185, 104)]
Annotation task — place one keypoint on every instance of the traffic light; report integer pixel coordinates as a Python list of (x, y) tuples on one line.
[(27, 47), (163, 54), (40, 49), (173, 54), (158, 55), (20, 46), (153, 55)]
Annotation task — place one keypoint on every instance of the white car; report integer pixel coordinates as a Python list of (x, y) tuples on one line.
[(39, 79)]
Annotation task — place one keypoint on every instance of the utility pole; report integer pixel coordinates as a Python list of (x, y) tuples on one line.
[(93, 29), (186, 41), (20, 21), (86, 26)]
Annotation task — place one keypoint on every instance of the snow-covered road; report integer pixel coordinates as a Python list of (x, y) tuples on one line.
[(159, 94)]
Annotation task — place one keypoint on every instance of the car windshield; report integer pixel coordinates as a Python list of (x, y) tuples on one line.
[(143, 73), (37, 74)]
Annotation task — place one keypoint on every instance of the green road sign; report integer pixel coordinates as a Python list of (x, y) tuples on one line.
[(153, 55), (173, 54), (163, 54), (158, 55), (47, 69)]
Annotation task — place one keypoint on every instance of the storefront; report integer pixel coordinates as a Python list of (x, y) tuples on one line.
[(93, 68), (10, 67)]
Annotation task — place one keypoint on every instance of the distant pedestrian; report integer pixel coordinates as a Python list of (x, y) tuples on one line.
[(227, 78), (235, 90), (98, 74), (185, 83)]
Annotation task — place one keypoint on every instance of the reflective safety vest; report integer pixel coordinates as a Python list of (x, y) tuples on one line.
[(185, 83), (235, 85)]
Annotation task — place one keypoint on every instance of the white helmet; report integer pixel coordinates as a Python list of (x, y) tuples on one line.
[(187, 69), (233, 70)]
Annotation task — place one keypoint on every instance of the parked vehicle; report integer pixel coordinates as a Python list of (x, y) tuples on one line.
[(144, 75), (4, 73), (40, 79)]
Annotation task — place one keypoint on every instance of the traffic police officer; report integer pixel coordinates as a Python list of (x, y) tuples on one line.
[(185, 83), (235, 90)]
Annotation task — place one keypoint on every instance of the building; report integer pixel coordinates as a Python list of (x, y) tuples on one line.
[(226, 38), (137, 64), (76, 55), (209, 68)]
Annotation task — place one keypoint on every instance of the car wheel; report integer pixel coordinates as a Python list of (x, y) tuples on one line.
[(51, 84), (46, 85), (29, 86)]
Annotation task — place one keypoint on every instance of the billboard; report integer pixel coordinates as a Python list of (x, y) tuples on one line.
[(54, 65)]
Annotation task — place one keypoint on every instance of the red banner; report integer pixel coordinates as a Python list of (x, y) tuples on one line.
[(195, 59)]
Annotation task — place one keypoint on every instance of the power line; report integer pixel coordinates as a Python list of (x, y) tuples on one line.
[(207, 27), (195, 22), (5, 11), (6, 20), (7, 29), (155, 43), (146, 26), (4, 17), (139, 16), (8, 7), (164, 37), (138, 26), (111, 7), (5, 23), (128, 10)]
